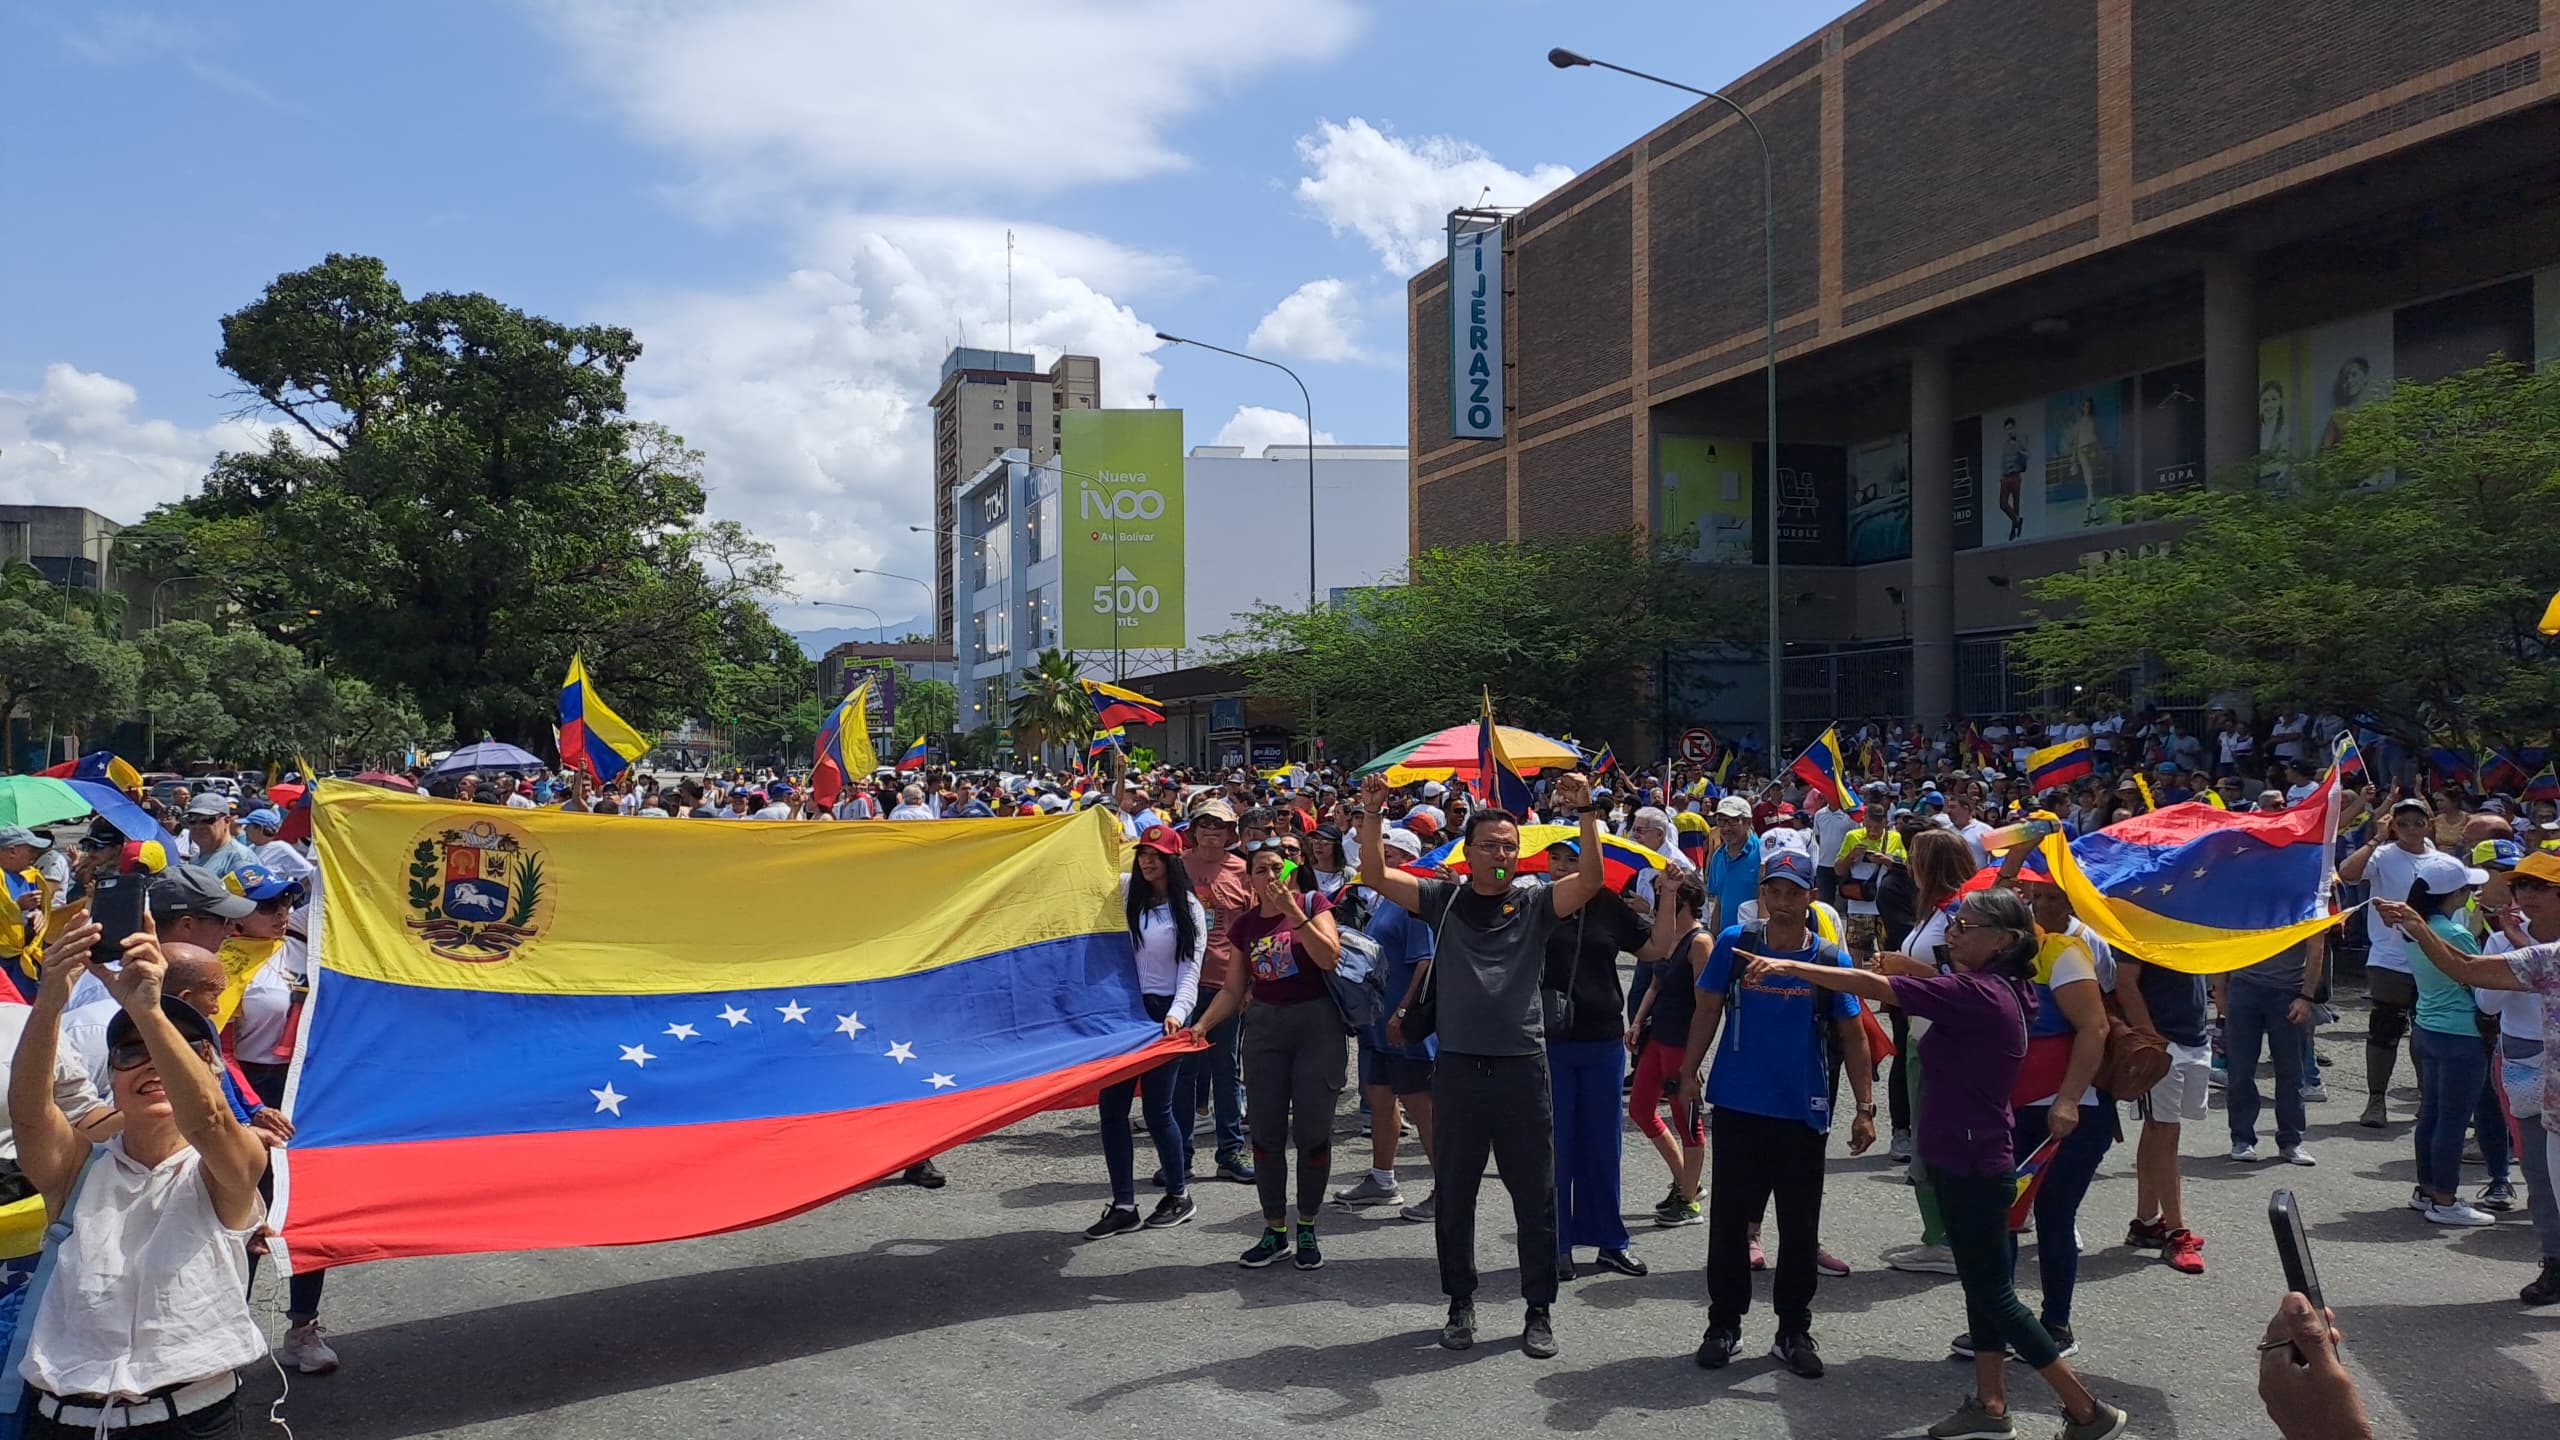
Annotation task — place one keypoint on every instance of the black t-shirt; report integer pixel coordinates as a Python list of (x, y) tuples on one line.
[(1582, 962), (1897, 904), (1675, 990), (2176, 1001)]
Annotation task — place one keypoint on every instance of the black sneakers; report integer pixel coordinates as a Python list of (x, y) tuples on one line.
[(1717, 1350), (1625, 1263), (2546, 1290), (1114, 1221), (1458, 1332), (1310, 1254), (1538, 1335), (1172, 1210), (1798, 1353)]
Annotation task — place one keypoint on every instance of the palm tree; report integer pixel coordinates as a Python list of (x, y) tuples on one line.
[(1052, 708)]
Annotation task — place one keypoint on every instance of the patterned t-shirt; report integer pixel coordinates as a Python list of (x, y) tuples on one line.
[(2539, 968)]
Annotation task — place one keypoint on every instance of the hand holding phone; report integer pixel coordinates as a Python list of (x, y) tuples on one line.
[(2293, 1249)]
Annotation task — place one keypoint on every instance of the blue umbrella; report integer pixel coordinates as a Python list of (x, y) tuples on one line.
[(120, 810), (486, 756)]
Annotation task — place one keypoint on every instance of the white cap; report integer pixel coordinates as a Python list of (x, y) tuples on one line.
[(1433, 789)]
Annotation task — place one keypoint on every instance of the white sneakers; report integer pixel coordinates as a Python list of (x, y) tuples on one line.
[(2460, 1212), (2246, 1152), (2296, 1155), (1922, 1259), (306, 1348)]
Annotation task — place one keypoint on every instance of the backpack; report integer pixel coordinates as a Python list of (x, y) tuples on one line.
[(1357, 982)]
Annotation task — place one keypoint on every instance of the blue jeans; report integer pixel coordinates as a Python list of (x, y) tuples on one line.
[(2451, 1070), (2254, 1013), (1216, 1068), (1155, 1089), (2489, 1119), (2067, 1177), (1586, 1077)]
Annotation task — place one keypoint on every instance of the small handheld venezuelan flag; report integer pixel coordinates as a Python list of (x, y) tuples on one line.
[(1821, 767)]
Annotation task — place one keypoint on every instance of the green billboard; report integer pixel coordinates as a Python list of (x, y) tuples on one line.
[(1120, 506)]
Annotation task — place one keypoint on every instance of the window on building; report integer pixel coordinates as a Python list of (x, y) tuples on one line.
[(999, 402), (999, 427), (1022, 431), (1023, 406)]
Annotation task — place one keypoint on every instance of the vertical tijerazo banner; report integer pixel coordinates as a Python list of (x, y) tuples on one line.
[(1120, 487), (1475, 325), (527, 1031)]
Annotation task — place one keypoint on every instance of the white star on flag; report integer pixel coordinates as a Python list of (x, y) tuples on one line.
[(940, 1082), (638, 1055), (902, 1051), (792, 1012), (851, 1026), (682, 1032), (736, 1017), (608, 1098)]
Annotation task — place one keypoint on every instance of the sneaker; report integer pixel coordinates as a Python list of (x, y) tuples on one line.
[(2377, 1114), (1369, 1192), (1115, 1221), (1962, 1347), (306, 1348), (2106, 1423), (1232, 1166), (1427, 1208), (2315, 1094), (2471, 1153), (2459, 1213), (2066, 1343), (1272, 1245), (1679, 1214), (2146, 1235), (924, 1175), (1172, 1210), (1625, 1263), (2543, 1291), (1310, 1254), (2497, 1195), (1922, 1260), (1900, 1149), (1459, 1331), (2296, 1155), (1829, 1264), (1759, 1257), (1798, 1351), (2246, 1152), (2184, 1252), (1972, 1422), (1538, 1334), (2419, 1200), (1717, 1350)]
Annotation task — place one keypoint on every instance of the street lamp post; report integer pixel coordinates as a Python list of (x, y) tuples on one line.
[(876, 622), (1566, 60), (1314, 598)]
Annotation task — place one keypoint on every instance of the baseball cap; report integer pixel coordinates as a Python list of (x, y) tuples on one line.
[(779, 789), (1789, 864), (2441, 874), (1425, 825), (258, 882), (2412, 803), (194, 890), (1785, 811), (190, 1022), (265, 817), (2503, 854), (1051, 804), (2543, 865), (1433, 789), (1399, 838), (1214, 808), (1733, 807), (1162, 839), (21, 835), (208, 805)]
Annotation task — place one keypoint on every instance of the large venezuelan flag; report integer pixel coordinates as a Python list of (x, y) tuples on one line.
[(1117, 708), (1821, 767), (530, 1031), (2205, 890)]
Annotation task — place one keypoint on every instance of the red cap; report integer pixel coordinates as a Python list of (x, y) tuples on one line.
[(1162, 840)]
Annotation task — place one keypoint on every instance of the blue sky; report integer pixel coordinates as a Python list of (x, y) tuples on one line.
[(797, 204)]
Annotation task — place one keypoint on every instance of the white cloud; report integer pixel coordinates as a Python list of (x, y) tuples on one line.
[(1396, 194), (1255, 428), (1017, 95), (77, 441), (1319, 320), (809, 395)]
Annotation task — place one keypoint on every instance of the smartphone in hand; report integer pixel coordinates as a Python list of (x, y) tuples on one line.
[(2293, 1250), (115, 902)]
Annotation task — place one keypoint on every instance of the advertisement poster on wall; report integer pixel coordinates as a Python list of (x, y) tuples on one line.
[(1964, 483), (1705, 493), (2173, 428), (2279, 409), (2088, 467), (2012, 451), (1813, 503), (2344, 364), (1880, 500), (1122, 560)]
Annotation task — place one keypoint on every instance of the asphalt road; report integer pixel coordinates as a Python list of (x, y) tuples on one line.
[(980, 1311)]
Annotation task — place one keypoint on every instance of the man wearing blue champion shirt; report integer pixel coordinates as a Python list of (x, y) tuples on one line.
[(1771, 1090)]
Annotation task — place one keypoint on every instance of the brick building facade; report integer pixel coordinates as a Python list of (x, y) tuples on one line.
[(2083, 242)]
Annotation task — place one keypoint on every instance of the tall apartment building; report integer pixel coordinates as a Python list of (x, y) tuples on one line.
[(991, 401)]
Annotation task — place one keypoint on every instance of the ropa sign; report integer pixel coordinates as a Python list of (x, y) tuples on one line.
[(1475, 325)]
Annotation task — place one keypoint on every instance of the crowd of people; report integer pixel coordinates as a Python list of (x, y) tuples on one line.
[(1965, 1026)]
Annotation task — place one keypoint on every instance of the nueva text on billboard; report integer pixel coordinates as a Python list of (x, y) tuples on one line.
[(1475, 325), (1121, 564)]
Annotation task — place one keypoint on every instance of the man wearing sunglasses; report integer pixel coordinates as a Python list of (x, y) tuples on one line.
[(212, 837)]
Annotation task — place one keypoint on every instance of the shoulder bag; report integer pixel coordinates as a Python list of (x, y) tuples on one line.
[(1422, 1017)]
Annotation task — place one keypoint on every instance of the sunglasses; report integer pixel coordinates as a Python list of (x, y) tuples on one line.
[(1270, 842), (133, 1054)]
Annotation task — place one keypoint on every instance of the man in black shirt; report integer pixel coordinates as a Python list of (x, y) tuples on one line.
[(1490, 1092)]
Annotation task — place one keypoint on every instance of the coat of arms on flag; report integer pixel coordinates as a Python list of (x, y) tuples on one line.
[(475, 892)]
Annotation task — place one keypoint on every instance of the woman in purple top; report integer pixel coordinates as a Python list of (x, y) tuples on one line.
[(1978, 1015)]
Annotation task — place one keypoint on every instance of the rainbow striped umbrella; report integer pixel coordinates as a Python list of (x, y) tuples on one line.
[(1449, 752)]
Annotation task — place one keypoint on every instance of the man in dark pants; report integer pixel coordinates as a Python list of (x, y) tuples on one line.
[(1772, 1098), (1491, 1097)]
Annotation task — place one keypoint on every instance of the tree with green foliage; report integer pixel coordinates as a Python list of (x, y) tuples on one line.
[(2400, 575), (62, 673), (1565, 633), (926, 707), (1050, 708), (234, 694), (459, 492)]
